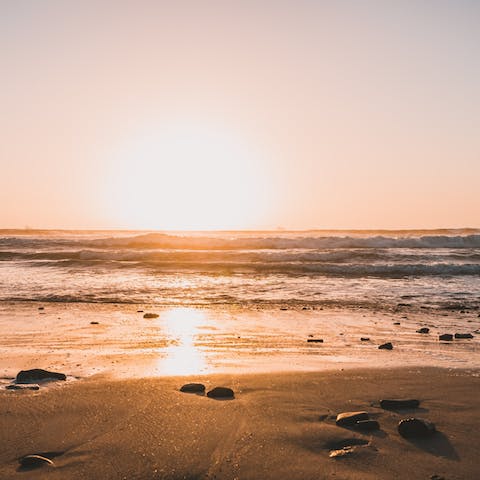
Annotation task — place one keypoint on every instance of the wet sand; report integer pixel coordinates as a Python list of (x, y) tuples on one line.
[(278, 426)]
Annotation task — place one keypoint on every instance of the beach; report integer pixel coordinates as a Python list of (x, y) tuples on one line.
[(120, 413), (278, 426)]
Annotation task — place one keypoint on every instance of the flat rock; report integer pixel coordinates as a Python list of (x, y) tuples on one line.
[(395, 404), (315, 340), (423, 330), (193, 388), (415, 427), (94, 323), (349, 419), (447, 337), (26, 376), (396, 323), (367, 425), (463, 335), (386, 346), (23, 386), (34, 461), (364, 339), (150, 315), (221, 392)]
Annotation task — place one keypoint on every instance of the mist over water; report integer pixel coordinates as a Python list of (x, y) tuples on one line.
[(374, 269)]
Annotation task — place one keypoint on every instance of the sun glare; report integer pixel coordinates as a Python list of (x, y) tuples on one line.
[(187, 176)]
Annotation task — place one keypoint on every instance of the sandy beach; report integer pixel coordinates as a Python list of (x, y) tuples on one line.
[(120, 414), (278, 426)]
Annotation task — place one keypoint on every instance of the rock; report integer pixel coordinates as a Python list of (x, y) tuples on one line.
[(26, 376), (23, 386), (315, 340), (349, 419), (386, 346), (367, 425), (41, 308), (342, 452), (34, 461), (437, 477), (396, 323), (193, 388), (463, 335), (151, 315), (139, 311), (415, 427), (283, 308), (423, 330), (395, 404), (447, 337), (94, 323), (364, 339), (221, 392)]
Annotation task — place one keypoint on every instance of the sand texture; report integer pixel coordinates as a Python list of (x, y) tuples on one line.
[(279, 426)]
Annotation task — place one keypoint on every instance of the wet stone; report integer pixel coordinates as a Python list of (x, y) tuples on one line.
[(193, 388), (26, 376), (221, 393), (395, 404), (415, 427), (34, 461), (349, 419)]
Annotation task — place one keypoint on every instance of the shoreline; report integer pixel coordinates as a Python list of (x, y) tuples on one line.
[(278, 426)]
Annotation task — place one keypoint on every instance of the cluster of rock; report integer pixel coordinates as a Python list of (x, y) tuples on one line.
[(219, 393)]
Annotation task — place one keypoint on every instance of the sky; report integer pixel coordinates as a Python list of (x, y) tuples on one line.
[(239, 115)]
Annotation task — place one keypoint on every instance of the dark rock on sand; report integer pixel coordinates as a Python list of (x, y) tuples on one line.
[(139, 311), (315, 340), (423, 330), (34, 461), (94, 323), (221, 392), (447, 337), (36, 374), (23, 386), (367, 425), (283, 308), (463, 335), (151, 315), (437, 477), (415, 427), (364, 339), (396, 323), (395, 404), (349, 419), (386, 346), (41, 308), (193, 388)]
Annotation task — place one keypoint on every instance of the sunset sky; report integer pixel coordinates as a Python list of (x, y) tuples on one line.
[(248, 114)]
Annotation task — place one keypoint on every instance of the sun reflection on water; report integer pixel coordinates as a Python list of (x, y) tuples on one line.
[(183, 357)]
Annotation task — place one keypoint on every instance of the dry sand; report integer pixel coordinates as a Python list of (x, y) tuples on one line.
[(279, 426)]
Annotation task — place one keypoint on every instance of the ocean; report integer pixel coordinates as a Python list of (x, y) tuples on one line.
[(430, 269)]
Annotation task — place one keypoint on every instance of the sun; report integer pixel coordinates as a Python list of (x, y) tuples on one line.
[(187, 176)]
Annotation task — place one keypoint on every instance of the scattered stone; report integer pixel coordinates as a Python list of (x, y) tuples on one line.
[(395, 404), (221, 392), (151, 315), (463, 335), (462, 311), (386, 346), (193, 388), (415, 427), (34, 461), (447, 337), (342, 452), (364, 339), (315, 340), (94, 323), (423, 330), (23, 386), (349, 419), (26, 376), (305, 308), (367, 425)]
